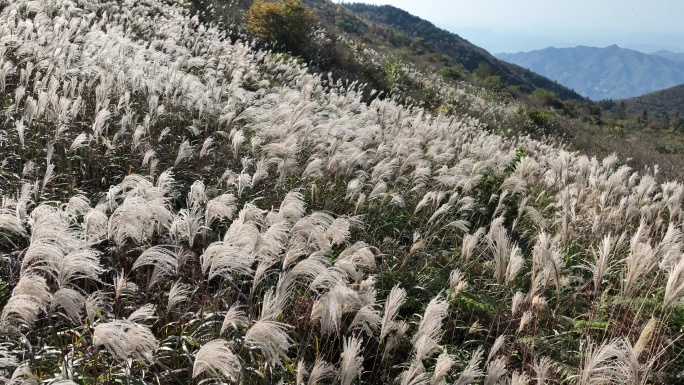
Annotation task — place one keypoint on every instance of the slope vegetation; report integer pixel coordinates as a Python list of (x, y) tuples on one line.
[(471, 57), (667, 104), (180, 208)]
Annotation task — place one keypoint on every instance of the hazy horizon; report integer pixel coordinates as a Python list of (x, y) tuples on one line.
[(525, 25)]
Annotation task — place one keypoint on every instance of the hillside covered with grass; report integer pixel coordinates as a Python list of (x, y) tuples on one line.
[(182, 205), (380, 47), (453, 50)]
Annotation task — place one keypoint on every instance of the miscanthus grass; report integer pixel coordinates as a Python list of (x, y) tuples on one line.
[(179, 207)]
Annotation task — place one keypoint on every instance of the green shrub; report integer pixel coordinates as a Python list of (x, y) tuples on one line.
[(287, 22)]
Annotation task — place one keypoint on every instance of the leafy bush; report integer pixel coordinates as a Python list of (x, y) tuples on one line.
[(286, 22), (452, 73)]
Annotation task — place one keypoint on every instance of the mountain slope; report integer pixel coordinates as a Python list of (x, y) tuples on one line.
[(659, 105), (602, 73), (674, 56), (412, 71), (468, 55), (180, 208)]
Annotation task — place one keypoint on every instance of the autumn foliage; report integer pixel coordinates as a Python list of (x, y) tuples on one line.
[(287, 22)]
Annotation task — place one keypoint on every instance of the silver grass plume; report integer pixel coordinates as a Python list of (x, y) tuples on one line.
[(367, 319), (602, 261), (23, 375), (470, 242), (669, 249), (442, 368), (427, 337), (234, 317), (43, 257), (271, 338), (72, 301), (50, 170), (395, 299), (645, 337), (338, 232), (367, 291), (459, 224), (612, 362), (496, 369), (197, 196), (312, 229), (400, 329), (79, 142), (674, 288), (498, 344), (352, 259), (499, 244), (50, 227), (78, 204), (134, 220), (29, 298), (126, 340), (293, 207), (525, 320), (99, 123), (548, 258), (81, 264), (142, 314), (206, 147), (217, 357), (223, 206), (518, 378), (330, 307), (148, 159), (178, 293), (184, 152), (414, 375), (309, 269), (187, 225), (163, 259), (97, 306), (21, 131), (301, 372), (274, 302), (542, 366), (351, 361), (328, 279), (321, 371), (122, 287), (518, 298), (269, 249), (10, 224), (515, 263), (166, 182), (640, 261), (95, 223), (221, 259)]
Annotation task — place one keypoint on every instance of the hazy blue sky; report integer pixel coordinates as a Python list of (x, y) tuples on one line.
[(513, 25)]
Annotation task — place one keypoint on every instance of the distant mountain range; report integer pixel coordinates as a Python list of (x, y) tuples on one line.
[(676, 56), (456, 49), (604, 73)]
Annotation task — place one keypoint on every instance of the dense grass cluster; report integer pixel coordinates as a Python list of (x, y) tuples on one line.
[(179, 208)]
